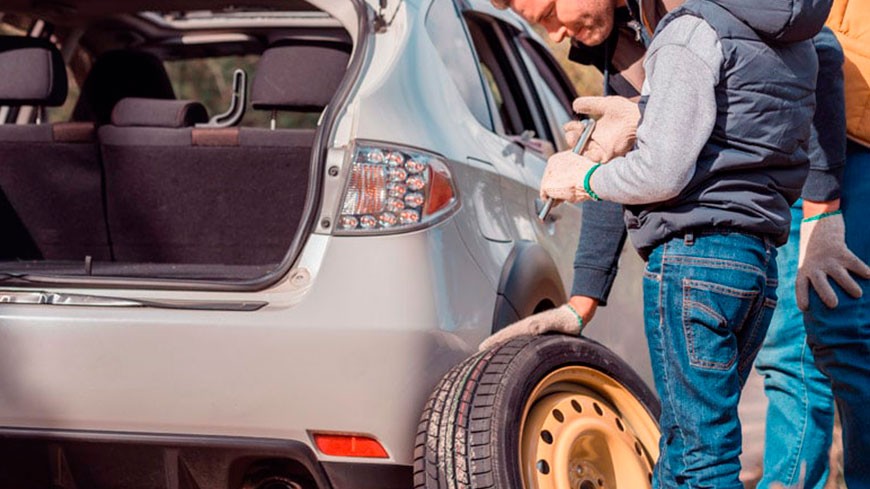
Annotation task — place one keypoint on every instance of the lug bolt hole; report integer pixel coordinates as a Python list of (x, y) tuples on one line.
[(598, 409), (576, 405), (547, 437), (558, 415), (543, 467)]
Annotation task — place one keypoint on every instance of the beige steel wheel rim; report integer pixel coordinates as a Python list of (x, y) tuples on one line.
[(581, 429)]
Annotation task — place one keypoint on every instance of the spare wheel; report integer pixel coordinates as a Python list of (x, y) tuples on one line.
[(547, 412)]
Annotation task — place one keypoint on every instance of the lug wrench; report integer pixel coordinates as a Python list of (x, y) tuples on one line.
[(589, 126)]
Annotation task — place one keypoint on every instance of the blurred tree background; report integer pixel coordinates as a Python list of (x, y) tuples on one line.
[(587, 80)]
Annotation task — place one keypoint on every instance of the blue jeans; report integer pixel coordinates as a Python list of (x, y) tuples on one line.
[(800, 410), (708, 300), (840, 338)]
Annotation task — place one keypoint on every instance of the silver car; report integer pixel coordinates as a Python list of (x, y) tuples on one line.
[(245, 241)]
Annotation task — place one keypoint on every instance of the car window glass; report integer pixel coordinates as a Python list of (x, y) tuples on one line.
[(540, 60), (451, 40), (63, 113), (11, 25), (554, 97), (517, 105), (76, 68), (209, 81)]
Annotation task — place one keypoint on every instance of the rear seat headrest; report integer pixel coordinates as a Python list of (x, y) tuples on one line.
[(33, 72), (147, 112), (119, 74), (299, 77)]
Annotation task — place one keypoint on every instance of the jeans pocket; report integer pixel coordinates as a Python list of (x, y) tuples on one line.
[(711, 314)]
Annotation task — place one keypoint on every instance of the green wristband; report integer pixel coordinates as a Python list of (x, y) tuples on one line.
[(579, 319), (586, 182), (822, 216)]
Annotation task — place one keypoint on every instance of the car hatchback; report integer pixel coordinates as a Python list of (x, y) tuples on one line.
[(259, 285)]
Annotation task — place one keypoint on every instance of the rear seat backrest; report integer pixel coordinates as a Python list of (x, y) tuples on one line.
[(117, 75), (180, 194), (50, 176)]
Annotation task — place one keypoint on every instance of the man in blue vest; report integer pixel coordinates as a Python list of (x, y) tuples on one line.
[(708, 190)]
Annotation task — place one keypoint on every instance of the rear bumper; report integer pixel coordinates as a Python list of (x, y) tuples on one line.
[(67, 459), (358, 351)]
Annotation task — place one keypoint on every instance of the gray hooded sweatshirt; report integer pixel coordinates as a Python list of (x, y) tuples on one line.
[(727, 106)]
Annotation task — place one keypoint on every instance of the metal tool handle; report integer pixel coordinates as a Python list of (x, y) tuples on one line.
[(589, 126)]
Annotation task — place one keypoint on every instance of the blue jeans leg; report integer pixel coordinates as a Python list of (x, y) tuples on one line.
[(840, 337), (708, 301), (800, 412)]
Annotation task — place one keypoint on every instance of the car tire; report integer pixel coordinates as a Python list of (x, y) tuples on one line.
[(538, 413)]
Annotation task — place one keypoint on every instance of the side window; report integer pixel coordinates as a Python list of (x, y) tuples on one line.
[(76, 69), (13, 25), (210, 81), (454, 48), (553, 86), (516, 104), (539, 59)]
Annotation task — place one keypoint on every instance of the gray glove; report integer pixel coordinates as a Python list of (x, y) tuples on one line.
[(563, 319), (615, 131), (563, 177), (823, 254)]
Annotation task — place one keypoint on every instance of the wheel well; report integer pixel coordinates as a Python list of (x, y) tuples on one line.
[(544, 305), (530, 283)]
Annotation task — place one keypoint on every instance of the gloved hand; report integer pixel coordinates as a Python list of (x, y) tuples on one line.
[(615, 130), (560, 320), (563, 177), (823, 254)]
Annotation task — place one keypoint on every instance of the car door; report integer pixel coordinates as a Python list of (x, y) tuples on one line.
[(528, 114)]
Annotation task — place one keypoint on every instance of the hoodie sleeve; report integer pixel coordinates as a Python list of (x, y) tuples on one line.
[(827, 147), (682, 69)]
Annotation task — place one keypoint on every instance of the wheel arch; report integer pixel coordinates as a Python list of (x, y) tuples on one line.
[(530, 282)]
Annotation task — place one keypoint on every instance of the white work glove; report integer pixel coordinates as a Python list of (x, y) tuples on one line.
[(823, 254), (563, 177), (560, 320), (615, 130)]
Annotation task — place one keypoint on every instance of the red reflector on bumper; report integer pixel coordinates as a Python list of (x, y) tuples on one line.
[(349, 446)]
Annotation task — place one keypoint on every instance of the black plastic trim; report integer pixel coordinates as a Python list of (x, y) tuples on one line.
[(369, 476), (293, 449)]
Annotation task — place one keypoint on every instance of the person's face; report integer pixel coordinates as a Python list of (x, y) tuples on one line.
[(588, 21)]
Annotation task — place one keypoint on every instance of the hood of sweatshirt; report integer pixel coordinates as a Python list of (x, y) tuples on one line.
[(781, 20), (775, 20)]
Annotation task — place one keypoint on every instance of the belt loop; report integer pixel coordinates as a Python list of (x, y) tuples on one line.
[(689, 239)]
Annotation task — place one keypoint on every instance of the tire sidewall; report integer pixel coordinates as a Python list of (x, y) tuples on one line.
[(540, 357)]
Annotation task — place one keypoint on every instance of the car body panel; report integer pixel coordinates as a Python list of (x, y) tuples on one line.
[(355, 335), (347, 358)]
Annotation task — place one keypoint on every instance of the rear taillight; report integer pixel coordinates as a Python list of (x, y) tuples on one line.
[(393, 189)]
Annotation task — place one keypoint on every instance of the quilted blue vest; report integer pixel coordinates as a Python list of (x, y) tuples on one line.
[(753, 166)]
